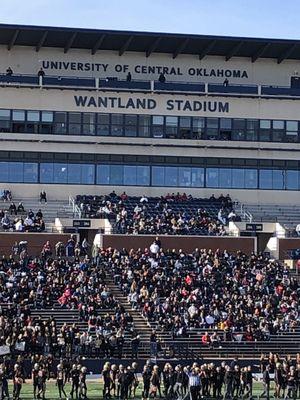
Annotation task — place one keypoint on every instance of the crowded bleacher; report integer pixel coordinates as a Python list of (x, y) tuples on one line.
[(252, 296), (173, 214), (46, 283)]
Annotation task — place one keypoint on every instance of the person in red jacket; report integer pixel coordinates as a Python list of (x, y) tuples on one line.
[(205, 339)]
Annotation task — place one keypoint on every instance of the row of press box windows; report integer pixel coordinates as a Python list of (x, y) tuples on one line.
[(144, 175), (158, 126)]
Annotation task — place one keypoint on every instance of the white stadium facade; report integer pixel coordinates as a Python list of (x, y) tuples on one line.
[(226, 119)]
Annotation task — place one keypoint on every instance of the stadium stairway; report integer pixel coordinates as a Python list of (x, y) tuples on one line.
[(141, 325)]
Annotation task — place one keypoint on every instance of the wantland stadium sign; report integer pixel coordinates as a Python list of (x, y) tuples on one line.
[(115, 102), (68, 66)]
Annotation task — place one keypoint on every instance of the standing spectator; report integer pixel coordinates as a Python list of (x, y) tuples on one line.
[(9, 71), (154, 248), (162, 78), (41, 73), (135, 342), (43, 196), (85, 246), (153, 344), (46, 250)]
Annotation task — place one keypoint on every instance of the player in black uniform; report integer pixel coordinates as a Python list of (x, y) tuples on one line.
[(147, 372), (75, 380), (82, 383), (4, 373), (236, 383), (17, 381), (123, 383), (34, 377), (41, 383), (218, 381), (60, 380), (114, 380), (106, 380)]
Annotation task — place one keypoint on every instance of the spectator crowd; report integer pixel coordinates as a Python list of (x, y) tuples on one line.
[(49, 282), (173, 214), (245, 297)]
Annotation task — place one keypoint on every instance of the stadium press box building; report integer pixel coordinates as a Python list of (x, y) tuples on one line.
[(226, 119)]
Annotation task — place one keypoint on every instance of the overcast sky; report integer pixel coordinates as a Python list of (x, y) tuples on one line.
[(258, 18)]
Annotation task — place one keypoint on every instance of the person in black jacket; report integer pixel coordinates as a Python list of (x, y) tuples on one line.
[(178, 388), (146, 375), (228, 381), (236, 381), (75, 371), (291, 383), (106, 380), (218, 380), (266, 382)]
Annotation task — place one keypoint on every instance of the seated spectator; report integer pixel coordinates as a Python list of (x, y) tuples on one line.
[(221, 216), (28, 223), (5, 222), (39, 214), (12, 209), (20, 208), (19, 225), (124, 196), (30, 214), (206, 339), (39, 225), (113, 195), (143, 199), (231, 216)]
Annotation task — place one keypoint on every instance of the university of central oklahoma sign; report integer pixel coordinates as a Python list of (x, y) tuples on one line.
[(217, 72), (184, 68)]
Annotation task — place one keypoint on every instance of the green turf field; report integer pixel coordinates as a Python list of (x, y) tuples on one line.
[(95, 390)]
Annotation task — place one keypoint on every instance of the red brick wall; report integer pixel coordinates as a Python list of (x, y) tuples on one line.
[(186, 243), (35, 241)]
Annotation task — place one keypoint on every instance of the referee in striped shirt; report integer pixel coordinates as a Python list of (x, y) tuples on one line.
[(194, 384)]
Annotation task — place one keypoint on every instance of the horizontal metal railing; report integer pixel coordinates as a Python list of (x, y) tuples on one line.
[(113, 83)]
